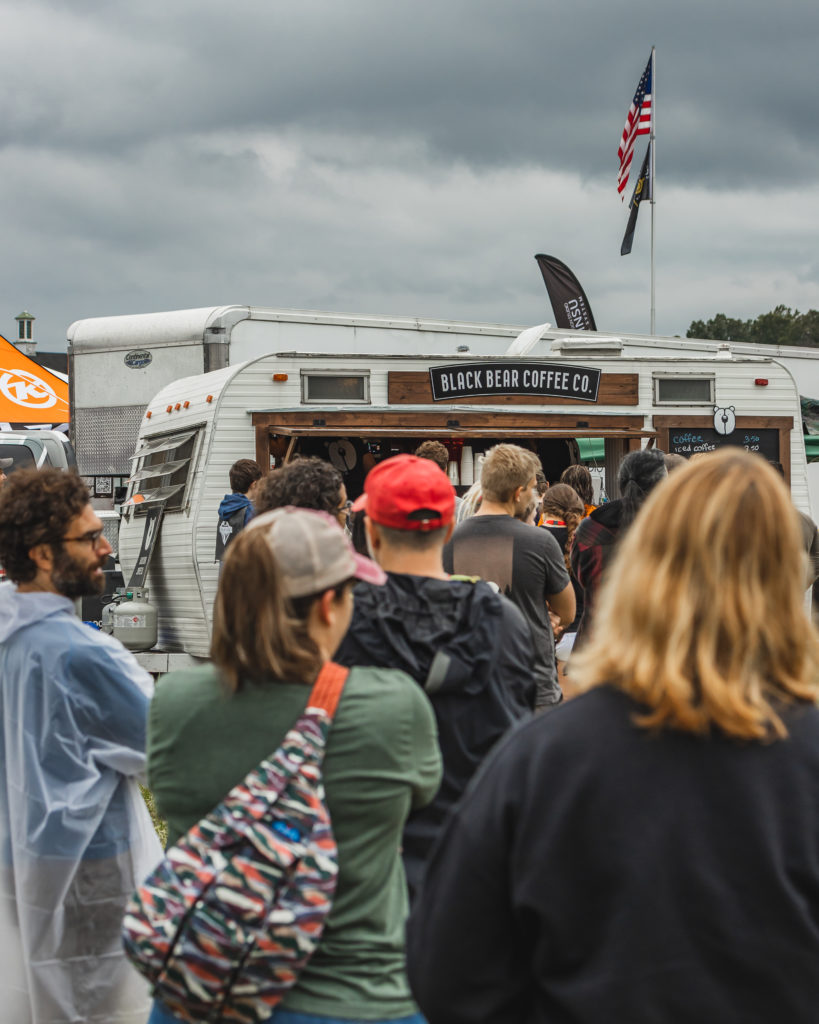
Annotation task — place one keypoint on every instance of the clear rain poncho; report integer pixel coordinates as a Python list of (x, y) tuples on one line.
[(75, 835)]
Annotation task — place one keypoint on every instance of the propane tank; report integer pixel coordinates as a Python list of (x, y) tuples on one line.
[(107, 617), (135, 621)]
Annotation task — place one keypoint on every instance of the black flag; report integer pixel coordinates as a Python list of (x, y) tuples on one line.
[(642, 190), (568, 299)]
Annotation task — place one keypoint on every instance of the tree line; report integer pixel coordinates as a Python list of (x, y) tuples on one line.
[(782, 326)]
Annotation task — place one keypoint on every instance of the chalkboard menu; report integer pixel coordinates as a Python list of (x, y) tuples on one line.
[(690, 441)]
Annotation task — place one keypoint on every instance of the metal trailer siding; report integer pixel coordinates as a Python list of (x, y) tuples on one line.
[(175, 582)]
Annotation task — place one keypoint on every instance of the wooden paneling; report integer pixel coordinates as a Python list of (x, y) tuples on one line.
[(413, 388), (369, 421)]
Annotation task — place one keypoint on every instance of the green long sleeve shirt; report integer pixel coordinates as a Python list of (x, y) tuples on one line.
[(382, 761)]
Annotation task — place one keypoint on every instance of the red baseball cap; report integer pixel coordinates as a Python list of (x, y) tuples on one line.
[(408, 493)]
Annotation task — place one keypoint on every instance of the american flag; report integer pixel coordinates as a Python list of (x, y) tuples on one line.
[(638, 122)]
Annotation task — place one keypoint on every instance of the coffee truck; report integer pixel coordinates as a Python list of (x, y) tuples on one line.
[(117, 364), (547, 390)]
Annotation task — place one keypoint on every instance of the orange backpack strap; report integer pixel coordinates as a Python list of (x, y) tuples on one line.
[(327, 688)]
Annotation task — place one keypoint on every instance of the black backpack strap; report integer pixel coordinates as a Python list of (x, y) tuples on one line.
[(436, 677)]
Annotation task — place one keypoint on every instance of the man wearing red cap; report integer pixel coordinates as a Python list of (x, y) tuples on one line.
[(469, 648)]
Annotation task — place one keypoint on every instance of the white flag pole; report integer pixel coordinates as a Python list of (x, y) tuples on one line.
[(651, 143)]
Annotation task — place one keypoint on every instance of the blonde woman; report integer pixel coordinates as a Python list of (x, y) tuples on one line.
[(650, 850)]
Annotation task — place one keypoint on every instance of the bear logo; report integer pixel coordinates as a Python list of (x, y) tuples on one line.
[(724, 419)]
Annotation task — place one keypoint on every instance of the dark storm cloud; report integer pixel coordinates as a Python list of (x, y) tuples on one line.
[(401, 157), (489, 83)]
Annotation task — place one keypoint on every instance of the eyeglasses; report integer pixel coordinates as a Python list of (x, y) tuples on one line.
[(93, 538), (345, 509)]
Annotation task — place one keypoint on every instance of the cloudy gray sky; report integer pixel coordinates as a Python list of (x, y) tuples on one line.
[(405, 157)]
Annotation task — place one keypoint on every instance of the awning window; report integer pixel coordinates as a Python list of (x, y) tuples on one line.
[(153, 496), (162, 444), (160, 469)]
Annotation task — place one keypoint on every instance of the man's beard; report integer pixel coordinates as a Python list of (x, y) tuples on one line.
[(74, 580)]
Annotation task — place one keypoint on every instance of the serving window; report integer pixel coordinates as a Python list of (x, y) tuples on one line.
[(355, 442)]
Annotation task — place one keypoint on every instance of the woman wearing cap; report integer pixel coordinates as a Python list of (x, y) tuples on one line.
[(650, 850), (284, 603)]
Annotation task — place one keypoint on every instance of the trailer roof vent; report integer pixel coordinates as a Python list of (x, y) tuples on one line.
[(333, 386), (591, 347)]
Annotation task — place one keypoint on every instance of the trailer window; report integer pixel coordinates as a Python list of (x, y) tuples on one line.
[(679, 389), (335, 387), (161, 471)]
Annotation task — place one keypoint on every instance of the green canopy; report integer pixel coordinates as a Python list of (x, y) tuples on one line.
[(593, 449)]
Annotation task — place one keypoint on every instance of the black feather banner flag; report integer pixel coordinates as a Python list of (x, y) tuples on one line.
[(569, 302)]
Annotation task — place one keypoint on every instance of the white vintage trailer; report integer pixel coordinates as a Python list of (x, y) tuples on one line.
[(118, 363), (566, 387)]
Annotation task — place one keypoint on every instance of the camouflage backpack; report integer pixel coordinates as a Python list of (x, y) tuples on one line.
[(225, 923)]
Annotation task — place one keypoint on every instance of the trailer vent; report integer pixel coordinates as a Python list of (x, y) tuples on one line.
[(104, 438), (677, 389), (329, 386)]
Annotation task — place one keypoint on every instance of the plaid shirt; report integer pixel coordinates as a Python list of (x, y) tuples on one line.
[(594, 545)]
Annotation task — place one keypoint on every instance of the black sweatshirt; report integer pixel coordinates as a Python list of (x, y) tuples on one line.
[(595, 873), (484, 647)]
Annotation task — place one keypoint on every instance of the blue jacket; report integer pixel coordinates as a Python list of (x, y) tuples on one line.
[(232, 503)]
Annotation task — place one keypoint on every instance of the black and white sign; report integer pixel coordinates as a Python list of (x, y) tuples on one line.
[(549, 380)]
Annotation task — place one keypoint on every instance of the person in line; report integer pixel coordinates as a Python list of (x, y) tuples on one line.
[(674, 461), (75, 835), (597, 537), (563, 512), (525, 563), (541, 486), (469, 503), (435, 452), (284, 602), (236, 508), (580, 479), (649, 851), (305, 483), (4, 465), (438, 453), (463, 643)]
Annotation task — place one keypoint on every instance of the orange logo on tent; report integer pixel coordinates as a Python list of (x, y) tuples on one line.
[(24, 388), (29, 392)]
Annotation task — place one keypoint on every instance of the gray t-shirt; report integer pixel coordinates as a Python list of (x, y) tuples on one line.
[(527, 565)]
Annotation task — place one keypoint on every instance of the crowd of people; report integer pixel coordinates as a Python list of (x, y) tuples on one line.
[(494, 853)]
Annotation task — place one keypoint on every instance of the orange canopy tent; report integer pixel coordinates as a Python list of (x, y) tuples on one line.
[(29, 393)]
